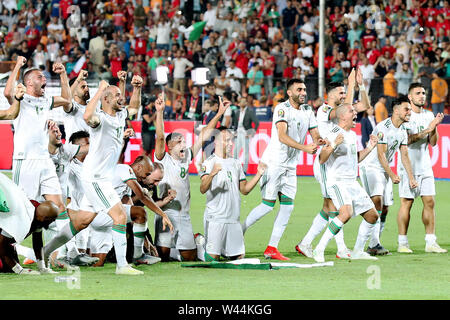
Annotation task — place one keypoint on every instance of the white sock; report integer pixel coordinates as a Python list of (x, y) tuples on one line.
[(382, 227), (403, 240), (120, 243), (25, 251), (66, 233), (333, 228), (319, 223), (375, 238), (365, 231), (82, 239), (201, 250), (430, 239), (339, 237), (139, 237), (175, 254), (256, 214), (70, 248), (280, 224)]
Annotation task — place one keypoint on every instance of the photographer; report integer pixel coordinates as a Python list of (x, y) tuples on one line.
[(148, 127)]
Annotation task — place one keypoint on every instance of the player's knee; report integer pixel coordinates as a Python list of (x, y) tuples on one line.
[(138, 215), (428, 203), (371, 216), (81, 220)]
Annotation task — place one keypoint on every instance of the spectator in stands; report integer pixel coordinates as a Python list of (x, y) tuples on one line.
[(390, 87), (148, 129), (425, 75), (439, 90), (289, 20), (246, 126), (181, 65), (381, 112), (367, 125), (404, 78), (336, 73), (255, 80), (368, 73), (235, 75), (194, 105)]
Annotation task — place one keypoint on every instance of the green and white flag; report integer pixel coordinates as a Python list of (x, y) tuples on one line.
[(197, 30)]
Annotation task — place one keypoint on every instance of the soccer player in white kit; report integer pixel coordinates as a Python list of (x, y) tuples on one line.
[(176, 166), (422, 132), (375, 170), (33, 170), (106, 138), (292, 120), (223, 180), (326, 119), (341, 159)]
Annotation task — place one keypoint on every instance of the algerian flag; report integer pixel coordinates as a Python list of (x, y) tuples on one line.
[(197, 30)]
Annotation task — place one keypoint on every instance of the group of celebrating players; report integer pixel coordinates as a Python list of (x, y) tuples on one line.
[(83, 202)]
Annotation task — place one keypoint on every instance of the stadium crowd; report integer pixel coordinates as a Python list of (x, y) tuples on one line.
[(250, 47)]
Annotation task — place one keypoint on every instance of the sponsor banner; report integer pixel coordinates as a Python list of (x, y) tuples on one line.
[(257, 145)]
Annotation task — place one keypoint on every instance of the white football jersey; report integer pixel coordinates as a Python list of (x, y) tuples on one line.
[(343, 161), (62, 159), (176, 177), (122, 174), (73, 120), (387, 134), (30, 128), (299, 121), (324, 123), (106, 141), (74, 180), (223, 199), (419, 154)]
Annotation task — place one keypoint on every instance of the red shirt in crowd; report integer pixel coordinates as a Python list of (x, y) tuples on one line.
[(367, 38), (373, 55), (140, 46), (116, 66), (64, 6), (32, 43), (390, 49)]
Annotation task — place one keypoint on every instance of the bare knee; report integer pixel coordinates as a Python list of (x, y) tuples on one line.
[(371, 216), (118, 214), (138, 215), (82, 219), (428, 203)]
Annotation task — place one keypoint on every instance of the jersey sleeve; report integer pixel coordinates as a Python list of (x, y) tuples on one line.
[(332, 137), (381, 133), (323, 114), (404, 141), (312, 120), (280, 114), (125, 173), (242, 176), (206, 167), (71, 150)]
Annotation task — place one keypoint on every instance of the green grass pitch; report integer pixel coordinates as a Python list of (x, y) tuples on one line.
[(416, 276)]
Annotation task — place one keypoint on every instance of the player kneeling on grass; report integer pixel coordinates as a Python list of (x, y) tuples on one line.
[(222, 178), (20, 218), (341, 159)]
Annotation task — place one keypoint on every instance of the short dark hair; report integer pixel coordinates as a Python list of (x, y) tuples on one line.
[(292, 82), (333, 85), (398, 101), (78, 135), (28, 73), (415, 85), (172, 136)]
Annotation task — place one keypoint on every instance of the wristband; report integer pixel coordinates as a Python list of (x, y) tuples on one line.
[(18, 98), (362, 87), (17, 269)]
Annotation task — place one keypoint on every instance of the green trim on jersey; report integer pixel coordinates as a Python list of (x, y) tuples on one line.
[(78, 150), (100, 194), (129, 179), (53, 102)]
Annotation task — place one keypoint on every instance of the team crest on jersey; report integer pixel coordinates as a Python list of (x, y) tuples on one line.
[(325, 109), (281, 113), (203, 169), (380, 135)]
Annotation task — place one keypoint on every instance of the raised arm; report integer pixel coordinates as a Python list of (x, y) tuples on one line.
[(159, 124), (14, 109), (90, 116), (65, 100), (207, 132), (81, 77), (362, 90), (135, 100), (351, 87), (11, 83), (122, 75)]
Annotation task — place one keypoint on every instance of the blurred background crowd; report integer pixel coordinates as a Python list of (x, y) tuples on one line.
[(251, 48)]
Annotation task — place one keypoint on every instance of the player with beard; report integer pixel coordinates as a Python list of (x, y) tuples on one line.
[(176, 165), (326, 119), (375, 170), (106, 138), (33, 169), (422, 131), (292, 120)]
